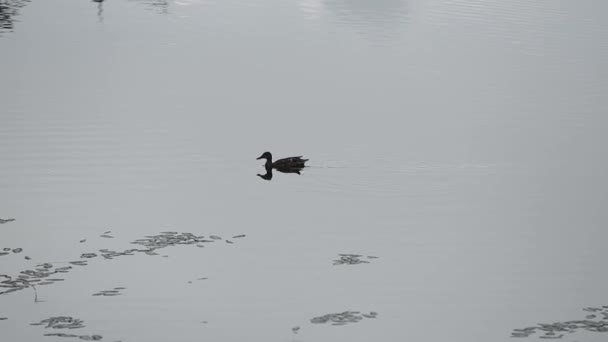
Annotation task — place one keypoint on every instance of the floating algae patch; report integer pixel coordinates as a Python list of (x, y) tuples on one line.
[(82, 337), (88, 255), (3, 221), (154, 242), (595, 322), (352, 259), (8, 250), (148, 245), (66, 322), (204, 278), (343, 318), (110, 293), (167, 239), (79, 263), (61, 322), (30, 278)]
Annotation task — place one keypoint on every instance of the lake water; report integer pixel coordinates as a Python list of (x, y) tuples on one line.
[(458, 146)]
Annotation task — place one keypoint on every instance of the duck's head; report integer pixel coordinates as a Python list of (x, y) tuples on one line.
[(265, 155)]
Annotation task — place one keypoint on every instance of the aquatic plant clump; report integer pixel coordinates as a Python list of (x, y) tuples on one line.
[(8, 250), (67, 322), (110, 293), (82, 337), (342, 318), (3, 221), (352, 259), (39, 275), (61, 322), (595, 321)]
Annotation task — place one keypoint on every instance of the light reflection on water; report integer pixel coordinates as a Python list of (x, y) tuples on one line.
[(379, 20)]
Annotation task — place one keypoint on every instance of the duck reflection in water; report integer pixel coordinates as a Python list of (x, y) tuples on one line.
[(285, 165)]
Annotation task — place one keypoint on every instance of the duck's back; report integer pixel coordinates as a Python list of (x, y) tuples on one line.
[(290, 162)]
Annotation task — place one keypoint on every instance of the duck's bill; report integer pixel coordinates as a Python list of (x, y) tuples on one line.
[(258, 158)]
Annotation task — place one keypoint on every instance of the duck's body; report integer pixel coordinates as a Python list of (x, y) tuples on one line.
[(290, 163)]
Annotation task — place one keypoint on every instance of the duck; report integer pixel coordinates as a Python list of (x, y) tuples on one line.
[(290, 163)]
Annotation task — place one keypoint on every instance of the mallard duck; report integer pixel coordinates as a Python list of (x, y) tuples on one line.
[(283, 164)]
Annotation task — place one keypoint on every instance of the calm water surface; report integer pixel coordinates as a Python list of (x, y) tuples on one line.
[(462, 143)]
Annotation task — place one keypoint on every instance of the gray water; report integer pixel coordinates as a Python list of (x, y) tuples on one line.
[(461, 144)]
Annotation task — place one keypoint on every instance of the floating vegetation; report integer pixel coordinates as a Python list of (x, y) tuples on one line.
[(110, 293), (295, 329), (238, 236), (8, 250), (66, 322), (3, 221), (106, 236), (82, 337), (83, 240), (352, 259), (31, 278), (39, 275), (343, 318), (3, 318), (79, 263), (559, 329), (88, 255), (190, 282), (61, 322)]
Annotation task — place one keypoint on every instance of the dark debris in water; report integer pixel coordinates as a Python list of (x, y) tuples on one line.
[(8, 250), (3, 221), (560, 329), (29, 278), (61, 322), (67, 322), (167, 239), (352, 259), (110, 293), (88, 255), (82, 337), (150, 244), (3, 318), (343, 318), (204, 278)]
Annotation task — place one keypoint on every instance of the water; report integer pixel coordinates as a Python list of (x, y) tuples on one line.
[(460, 144)]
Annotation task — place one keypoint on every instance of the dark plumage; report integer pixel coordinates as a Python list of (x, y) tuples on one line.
[(285, 164)]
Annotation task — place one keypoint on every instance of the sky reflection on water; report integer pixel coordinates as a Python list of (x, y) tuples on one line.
[(456, 169)]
